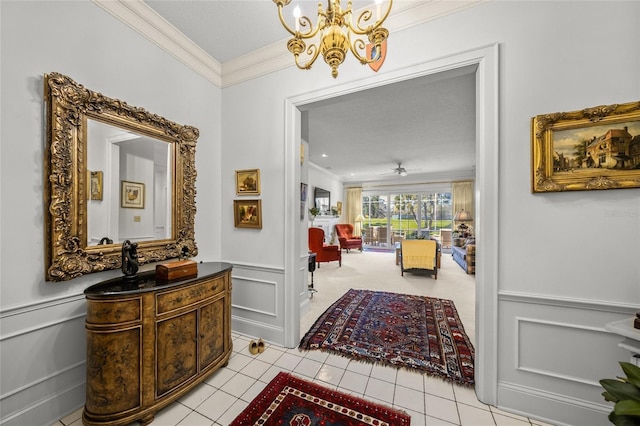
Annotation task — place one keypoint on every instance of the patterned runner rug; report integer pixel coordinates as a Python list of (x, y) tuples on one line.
[(288, 400), (413, 332)]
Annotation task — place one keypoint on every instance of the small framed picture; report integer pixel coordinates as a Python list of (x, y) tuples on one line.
[(96, 185), (247, 213), (248, 182), (303, 200), (132, 195)]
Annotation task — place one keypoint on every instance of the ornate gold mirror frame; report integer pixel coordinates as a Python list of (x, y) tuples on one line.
[(66, 185)]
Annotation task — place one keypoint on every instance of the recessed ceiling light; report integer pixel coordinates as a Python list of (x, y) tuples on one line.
[(324, 155)]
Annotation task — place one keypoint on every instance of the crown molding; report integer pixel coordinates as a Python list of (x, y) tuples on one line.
[(323, 170), (254, 64), (276, 56), (140, 17), (409, 14)]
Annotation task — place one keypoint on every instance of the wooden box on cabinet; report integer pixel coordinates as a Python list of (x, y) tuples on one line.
[(149, 342)]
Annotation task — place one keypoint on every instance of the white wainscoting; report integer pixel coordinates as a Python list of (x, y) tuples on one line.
[(43, 350), (554, 352), (258, 301)]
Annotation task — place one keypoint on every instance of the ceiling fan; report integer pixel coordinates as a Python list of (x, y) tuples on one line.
[(400, 170)]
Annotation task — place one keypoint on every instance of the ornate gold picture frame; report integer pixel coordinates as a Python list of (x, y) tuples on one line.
[(594, 148), (70, 251), (248, 182), (247, 213)]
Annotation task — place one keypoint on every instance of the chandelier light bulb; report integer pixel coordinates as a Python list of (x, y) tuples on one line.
[(296, 14)]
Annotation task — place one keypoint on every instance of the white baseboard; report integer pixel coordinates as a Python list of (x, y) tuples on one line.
[(550, 407)]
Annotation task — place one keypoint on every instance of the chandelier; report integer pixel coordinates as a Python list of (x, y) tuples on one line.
[(337, 33)]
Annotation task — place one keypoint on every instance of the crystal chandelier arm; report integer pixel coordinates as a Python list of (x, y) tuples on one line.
[(313, 51), (359, 44), (360, 27), (376, 37), (304, 21), (281, 4)]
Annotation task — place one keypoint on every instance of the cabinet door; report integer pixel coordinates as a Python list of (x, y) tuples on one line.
[(212, 332), (113, 371), (176, 351)]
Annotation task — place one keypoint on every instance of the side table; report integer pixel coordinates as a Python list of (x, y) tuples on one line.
[(631, 342), (311, 268)]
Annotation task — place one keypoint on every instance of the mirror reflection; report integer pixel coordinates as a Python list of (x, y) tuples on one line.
[(113, 172), (322, 200), (131, 177)]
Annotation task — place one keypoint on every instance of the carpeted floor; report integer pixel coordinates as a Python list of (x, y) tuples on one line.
[(289, 400), (419, 333), (378, 271)]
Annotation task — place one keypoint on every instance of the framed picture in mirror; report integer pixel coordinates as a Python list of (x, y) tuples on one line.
[(96, 185), (132, 195)]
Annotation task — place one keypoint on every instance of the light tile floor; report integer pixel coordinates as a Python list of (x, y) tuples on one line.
[(430, 401)]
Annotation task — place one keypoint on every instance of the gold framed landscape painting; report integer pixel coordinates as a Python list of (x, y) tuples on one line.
[(594, 148), (248, 182), (132, 195), (247, 213)]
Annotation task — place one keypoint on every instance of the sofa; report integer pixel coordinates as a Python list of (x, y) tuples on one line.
[(465, 255)]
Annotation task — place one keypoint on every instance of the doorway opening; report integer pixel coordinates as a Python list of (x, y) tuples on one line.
[(486, 221)]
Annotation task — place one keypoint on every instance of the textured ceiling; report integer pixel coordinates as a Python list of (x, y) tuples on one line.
[(427, 123)]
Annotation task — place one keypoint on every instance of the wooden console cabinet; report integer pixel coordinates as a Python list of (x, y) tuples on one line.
[(149, 342)]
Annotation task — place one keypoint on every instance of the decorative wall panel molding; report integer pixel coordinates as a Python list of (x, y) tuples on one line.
[(37, 385), (255, 295), (569, 302), (525, 355)]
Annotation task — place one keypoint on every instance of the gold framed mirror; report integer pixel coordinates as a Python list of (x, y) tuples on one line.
[(113, 172)]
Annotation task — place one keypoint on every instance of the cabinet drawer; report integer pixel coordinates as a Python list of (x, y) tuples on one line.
[(176, 299), (113, 312)]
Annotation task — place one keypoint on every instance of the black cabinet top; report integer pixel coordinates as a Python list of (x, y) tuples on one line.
[(146, 281)]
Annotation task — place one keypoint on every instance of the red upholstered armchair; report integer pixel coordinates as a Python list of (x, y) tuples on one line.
[(324, 252), (346, 237)]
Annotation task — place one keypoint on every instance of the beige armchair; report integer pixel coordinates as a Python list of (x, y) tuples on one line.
[(445, 238)]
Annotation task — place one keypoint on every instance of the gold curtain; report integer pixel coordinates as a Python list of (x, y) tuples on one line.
[(463, 199), (354, 204)]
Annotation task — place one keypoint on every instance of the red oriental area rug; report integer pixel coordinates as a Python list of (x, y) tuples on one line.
[(401, 330), (288, 400)]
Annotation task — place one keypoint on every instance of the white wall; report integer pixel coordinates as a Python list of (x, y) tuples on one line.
[(566, 264), (42, 342)]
